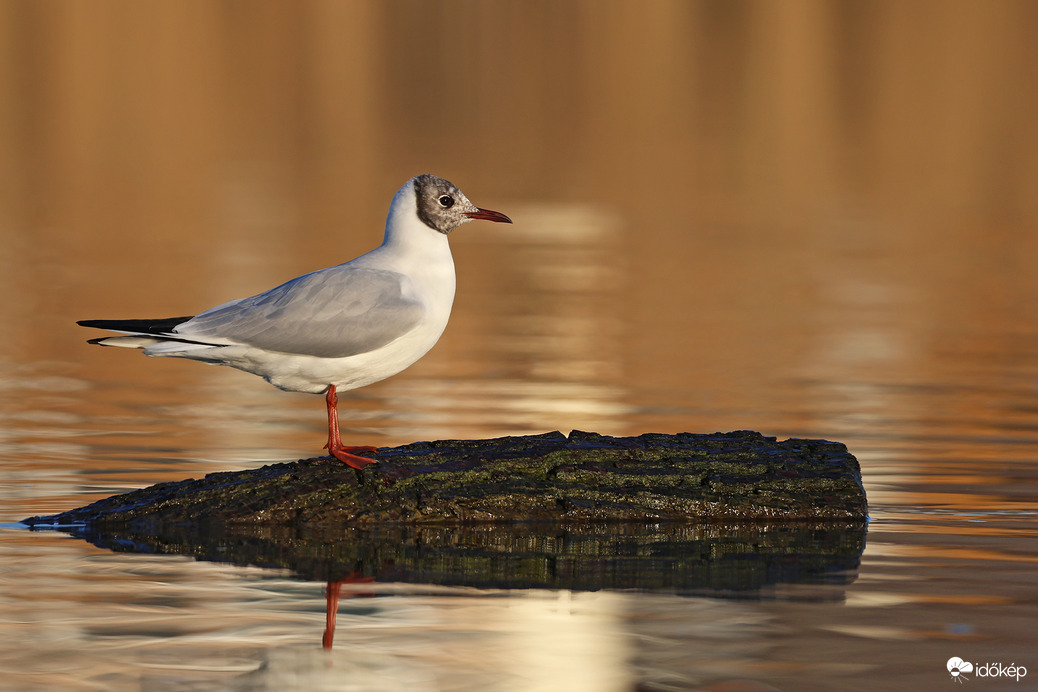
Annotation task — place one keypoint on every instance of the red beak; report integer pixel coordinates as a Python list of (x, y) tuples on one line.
[(487, 215)]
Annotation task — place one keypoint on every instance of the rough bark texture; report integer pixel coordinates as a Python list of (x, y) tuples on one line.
[(542, 478)]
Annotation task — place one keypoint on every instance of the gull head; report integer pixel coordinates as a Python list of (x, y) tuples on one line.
[(443, 207)]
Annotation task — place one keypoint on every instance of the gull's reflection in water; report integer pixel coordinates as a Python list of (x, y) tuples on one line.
[(332, 593)]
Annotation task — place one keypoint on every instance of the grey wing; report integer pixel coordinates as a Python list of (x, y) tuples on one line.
[(332, 313)]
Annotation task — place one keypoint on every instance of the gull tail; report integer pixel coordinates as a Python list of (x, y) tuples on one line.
[(140, 333)]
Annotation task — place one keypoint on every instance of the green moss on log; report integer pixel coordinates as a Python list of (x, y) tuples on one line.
[(547, 478)]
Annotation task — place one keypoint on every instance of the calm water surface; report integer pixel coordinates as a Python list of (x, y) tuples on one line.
[(810, 222)]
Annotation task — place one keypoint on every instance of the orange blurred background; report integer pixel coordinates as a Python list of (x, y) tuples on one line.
[(728, 214)]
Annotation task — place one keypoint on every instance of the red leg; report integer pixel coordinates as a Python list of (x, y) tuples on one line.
[(335, 446)]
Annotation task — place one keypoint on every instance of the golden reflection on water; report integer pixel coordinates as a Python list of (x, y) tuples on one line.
[(165, 623), (177, 624)]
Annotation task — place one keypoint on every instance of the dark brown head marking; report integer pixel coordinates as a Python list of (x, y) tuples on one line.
[(441, 205)]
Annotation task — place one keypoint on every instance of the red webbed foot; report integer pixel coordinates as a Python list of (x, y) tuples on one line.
[(346, 456)]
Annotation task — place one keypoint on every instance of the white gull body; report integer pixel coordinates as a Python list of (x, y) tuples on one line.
[(328, 327), (338, 328)]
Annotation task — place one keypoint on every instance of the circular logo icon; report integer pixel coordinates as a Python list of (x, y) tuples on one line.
[(957, 667)]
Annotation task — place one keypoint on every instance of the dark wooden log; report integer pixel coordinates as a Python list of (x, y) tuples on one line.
[(584, 477)]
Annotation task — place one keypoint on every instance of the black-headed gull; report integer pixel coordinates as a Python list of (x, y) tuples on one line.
[(338, 328)]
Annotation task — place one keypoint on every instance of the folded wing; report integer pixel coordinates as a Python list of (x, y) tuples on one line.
[(328, 314)]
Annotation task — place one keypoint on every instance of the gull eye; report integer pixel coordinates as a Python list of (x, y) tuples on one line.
[(446, 201)]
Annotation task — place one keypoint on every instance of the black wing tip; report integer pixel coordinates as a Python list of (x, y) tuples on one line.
[(159, 326)]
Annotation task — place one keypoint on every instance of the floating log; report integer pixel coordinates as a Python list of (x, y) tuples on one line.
[(583, 477)]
